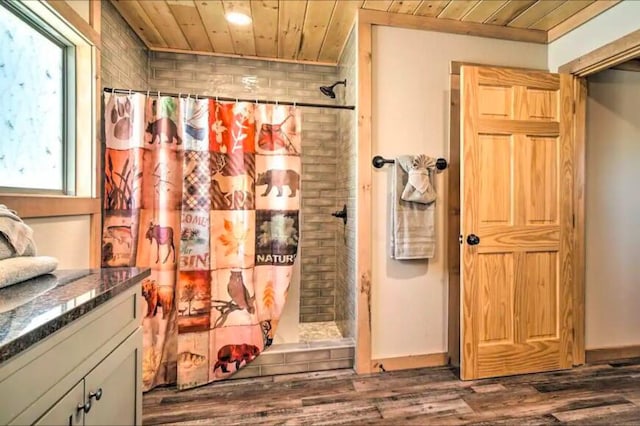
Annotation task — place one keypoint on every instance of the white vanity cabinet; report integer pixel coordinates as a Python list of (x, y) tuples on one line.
[(86, 373)]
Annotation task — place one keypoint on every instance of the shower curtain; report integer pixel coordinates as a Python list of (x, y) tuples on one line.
[(207, 195)]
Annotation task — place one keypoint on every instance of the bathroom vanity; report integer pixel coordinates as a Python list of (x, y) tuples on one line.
[(71, 348)]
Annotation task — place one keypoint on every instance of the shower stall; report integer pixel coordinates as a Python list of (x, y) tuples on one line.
[(317, 328)]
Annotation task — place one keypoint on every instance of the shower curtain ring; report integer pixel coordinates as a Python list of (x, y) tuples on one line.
[(147, 93), (130, 92), (158, 94), (196, 96)]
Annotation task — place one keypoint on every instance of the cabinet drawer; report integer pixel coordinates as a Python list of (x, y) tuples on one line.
[(62, 359), (66, 412)]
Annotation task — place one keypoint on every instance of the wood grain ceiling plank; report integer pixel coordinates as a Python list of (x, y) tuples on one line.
[(431, 8), (510, 11), (244, 42), (457, 9), (404, 6), (190, 22), (382, 5), (536, 12), (342, 20), (163, 20), (215, 25), (483, 10), (560, 14), (137, 19), (290, 24), (265, 27), (316, 22)]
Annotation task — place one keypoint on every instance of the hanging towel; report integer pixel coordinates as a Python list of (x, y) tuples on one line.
[(412, 223), (419, 187), (19, 235)]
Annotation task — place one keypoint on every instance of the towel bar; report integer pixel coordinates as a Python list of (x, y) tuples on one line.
[(379, 161)]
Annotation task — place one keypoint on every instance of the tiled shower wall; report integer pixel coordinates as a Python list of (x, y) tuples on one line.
[(124, 59), (255, 79), (347, 167)]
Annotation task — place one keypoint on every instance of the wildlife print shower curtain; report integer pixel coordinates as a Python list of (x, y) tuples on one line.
[(207, 195)]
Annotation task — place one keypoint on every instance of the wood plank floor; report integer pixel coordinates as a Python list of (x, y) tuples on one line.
[(595, 394)]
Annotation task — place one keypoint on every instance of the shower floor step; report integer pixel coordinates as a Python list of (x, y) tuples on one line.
[(287, 358)]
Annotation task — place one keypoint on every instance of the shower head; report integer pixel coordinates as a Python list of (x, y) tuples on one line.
[(328, 90)]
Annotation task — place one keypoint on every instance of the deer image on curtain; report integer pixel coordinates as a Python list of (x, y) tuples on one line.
[(206, 194)]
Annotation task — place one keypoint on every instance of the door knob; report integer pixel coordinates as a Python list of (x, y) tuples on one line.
[(84, 407), (97, 394), (473, 239)]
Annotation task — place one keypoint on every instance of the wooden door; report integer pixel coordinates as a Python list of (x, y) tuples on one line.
[(517, 186)]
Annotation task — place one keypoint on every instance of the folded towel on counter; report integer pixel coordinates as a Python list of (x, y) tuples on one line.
[(7, 250), (17, 233), (19, 295), (412, 223), (18, 269)]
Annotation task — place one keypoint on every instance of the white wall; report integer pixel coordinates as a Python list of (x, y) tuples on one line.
[(65, 238), (411, 116), (614, 23), (613, 210)]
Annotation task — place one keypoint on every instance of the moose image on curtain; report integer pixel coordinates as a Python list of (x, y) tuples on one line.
[(206, 194)]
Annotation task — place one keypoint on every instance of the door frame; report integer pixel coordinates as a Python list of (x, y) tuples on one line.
[(599, 59)]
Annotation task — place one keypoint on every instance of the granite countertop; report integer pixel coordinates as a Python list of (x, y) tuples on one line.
[(34, 309)]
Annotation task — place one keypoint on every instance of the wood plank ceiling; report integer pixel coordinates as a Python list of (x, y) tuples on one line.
[(313, 30)]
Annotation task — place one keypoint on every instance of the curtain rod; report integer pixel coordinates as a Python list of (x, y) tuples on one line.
[(222, 98)]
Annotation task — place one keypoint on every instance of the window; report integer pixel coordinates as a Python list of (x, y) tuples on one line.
[(37, 147)]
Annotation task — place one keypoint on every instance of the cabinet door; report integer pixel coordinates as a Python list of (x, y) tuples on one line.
[(65, 412), (117, 381)]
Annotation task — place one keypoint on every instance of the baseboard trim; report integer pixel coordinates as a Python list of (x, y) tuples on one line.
[(409, 362), (612, 354)]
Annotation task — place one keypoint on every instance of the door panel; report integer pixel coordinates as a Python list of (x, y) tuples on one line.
[(517, 179), (116, 379), (495, 176), (496, 298)]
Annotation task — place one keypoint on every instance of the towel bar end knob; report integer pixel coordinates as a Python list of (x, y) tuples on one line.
[(473, 239)]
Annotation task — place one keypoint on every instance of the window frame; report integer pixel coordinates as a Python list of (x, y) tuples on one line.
[(87, 199), (68, 100)]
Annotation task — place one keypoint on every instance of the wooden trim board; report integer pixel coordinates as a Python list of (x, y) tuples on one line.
[(453, 218), (408, 362), (579, 142), (612, 354), (607, 56), (451, 26), (72, 17), (363, 200), (43, 206), (231, 55)]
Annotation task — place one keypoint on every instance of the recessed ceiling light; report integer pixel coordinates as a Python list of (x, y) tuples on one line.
[(238, 18)]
